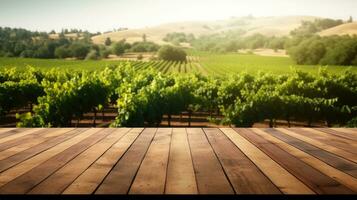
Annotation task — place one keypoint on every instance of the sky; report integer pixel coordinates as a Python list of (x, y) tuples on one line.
[(105, 15)]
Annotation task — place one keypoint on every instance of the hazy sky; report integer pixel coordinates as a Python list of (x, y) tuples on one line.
[(104, 15)]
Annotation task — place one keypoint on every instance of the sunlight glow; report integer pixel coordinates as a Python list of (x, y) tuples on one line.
[(108, 14)]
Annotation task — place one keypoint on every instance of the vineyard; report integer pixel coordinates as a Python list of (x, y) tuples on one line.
[(197, 62), (140, 95)]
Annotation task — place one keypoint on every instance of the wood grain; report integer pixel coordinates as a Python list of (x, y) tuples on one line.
[(317, 181), (286, 182), (245, 177), (180, 173), (210, 176), (119, 180), (151, 176), (89, 180)]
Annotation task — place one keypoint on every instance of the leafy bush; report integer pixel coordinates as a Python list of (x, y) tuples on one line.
[(142, 98), (333, 50), (172, 53), (144, 47)]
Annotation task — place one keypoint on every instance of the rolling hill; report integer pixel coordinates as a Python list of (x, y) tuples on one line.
[(343, 29), (265, 25)]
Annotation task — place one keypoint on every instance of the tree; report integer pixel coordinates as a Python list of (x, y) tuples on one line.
[(79, 50), (144, 37), (144, 47), (62, 52), (119, 48), (350, 20), (108, 41), (171, 53)]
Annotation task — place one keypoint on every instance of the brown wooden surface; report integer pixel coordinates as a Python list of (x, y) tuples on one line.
[(178, 161)]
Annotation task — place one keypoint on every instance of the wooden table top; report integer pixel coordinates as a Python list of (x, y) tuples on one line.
[(178, 161)]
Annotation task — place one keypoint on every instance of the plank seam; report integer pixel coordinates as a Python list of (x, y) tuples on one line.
[(312, 154), (94, 160), (250, 160), (120, 160), (141, 162), (95, 190), (220, 163), (341, 157), (71, 159), (168, 160), (288, 170), (76, 134), (194, 170)]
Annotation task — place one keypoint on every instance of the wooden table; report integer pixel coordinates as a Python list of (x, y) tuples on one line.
[(178, 160)]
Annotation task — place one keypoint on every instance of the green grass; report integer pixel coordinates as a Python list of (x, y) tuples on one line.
[(217, 64), (234, 62), (46, 64)]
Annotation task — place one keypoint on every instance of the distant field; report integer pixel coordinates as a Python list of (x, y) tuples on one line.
[(343, 29), (198, 62), (46, 64), (234, 62)]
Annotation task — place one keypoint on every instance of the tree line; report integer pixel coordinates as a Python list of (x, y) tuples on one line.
[(303, 44), (23, 43)]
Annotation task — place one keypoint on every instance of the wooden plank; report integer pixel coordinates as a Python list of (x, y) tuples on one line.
[(30, 179), (15, 146), (317, 181), (24, 155), (4, 132), (119, 179), (210, 176), (329, 139), (25, 166), (19, 135), (58, 181), (330, 158), (151, 175), (330, 171), (296, 133), (245, 177), (344, 134), (39, 135), (286, 182), (346, 131), (90, 179), (180, 173)]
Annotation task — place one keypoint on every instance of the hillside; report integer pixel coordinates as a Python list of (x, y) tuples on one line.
[(343, 29), (264, 25)]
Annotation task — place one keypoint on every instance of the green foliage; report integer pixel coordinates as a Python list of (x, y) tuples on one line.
[(144, 46), (119, 48), (352, 123), (63, 102), (171, 53), (62, 52), (142, 98), (333, 50), (107, 41), (298, 97), (18, 89), (232, 41), (308, 28), (27, 44), (79, 50)]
